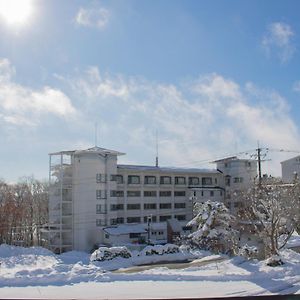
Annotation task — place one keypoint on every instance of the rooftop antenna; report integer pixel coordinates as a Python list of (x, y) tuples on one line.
[(96, 133), (156, 160)]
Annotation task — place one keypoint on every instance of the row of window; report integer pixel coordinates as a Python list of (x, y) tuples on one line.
[(136, 179), (116, 221), (102, 194), (235, 180), (137, 206)]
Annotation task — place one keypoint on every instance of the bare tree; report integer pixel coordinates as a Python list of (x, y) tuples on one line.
[(271, 212)]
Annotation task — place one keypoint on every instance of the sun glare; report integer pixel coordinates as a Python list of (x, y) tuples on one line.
[(15, 11)]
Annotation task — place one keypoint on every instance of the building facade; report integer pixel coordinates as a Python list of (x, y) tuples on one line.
[(93, 199), (290, 169), (239, 175)]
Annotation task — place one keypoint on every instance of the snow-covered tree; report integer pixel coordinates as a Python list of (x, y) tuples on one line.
[(271, 212), (213, 228)]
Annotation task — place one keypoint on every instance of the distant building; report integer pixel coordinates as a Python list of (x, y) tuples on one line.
[(290, 169), (94, 200), (239, 175)]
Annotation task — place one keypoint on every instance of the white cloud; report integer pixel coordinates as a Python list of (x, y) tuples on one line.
[(296, 86), (202, 120), (97, 17), (278, 39), (21, 105)]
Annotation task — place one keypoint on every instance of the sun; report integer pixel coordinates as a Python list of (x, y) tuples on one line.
[(15, 11)]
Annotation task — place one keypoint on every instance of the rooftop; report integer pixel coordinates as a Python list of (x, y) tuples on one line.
[(167, 169), (95, 149)]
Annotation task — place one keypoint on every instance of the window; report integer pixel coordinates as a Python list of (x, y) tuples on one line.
[(134, 235), (133, 179), (120, 220), (164, 218), (216, 181), (133, 193), (133, 220), (100, 178), (114, 207), (113, 177), (179, 193), (179, 205), (165, 180), (150, 180), (206, 181), (227, 180), (150, 206), (100, 222), (238, 179), (221, 193), (212, 193), (165, 193), (113, 221), (101, 194), (117, 193), (106, 236), (179, 180), (133, 206), (98, 208), (165, 205), (149, 193), (194, 181), (180, 217), (202, 193), (248, 164), (119, 179), (152, 218)]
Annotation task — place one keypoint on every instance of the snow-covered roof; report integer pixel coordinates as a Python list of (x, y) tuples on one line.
[(231, 158), (89, 150), (167, 169), (158, 226), (125, 229), (175, 225), (298, 156)]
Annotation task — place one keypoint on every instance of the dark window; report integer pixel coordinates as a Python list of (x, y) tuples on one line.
[(119, 179), (120, 220), (113, 177), (164, 218), (202, 193), (114, 207), (211, 193), (117, 193), (227, 180), (150, 206), (134, 206), (133, 179), (133, 220), (101, 194), (238, 179), (165, 193), (216, 181), (100, 178), (221, 193), (180, 217), (153, 219), (98, 209), (179, 180), (165, 205), (149, 193), (206, 181), (133, 193), (179, 205), (179, 193), (194, 181), (150, 180), (113, 221), (165, 180)]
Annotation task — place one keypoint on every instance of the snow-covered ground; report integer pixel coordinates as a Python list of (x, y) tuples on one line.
[(38, 273)]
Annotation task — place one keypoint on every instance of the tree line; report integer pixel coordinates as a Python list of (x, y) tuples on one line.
[(23, 211)]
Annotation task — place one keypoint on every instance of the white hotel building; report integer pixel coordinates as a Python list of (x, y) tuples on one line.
[(94, 200)]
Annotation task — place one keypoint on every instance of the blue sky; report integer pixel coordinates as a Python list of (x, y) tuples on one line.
[(212, 77)]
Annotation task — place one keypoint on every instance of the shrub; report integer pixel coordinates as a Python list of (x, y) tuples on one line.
[(105, 253)]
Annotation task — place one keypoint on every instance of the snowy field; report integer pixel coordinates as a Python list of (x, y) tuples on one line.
[(38, 273)]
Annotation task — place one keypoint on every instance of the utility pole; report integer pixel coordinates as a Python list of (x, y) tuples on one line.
[(259, 164)]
